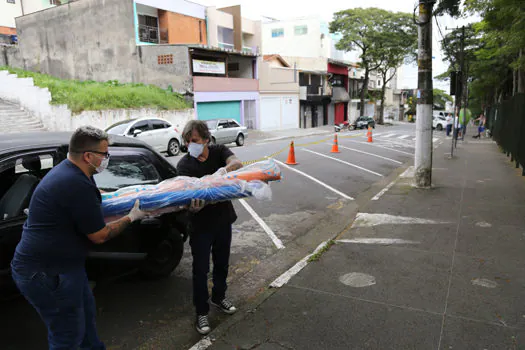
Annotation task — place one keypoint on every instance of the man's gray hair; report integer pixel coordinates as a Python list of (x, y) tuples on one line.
[(199, 126), (86, 138)]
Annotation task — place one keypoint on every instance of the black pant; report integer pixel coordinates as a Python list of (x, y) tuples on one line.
[(216, 240)]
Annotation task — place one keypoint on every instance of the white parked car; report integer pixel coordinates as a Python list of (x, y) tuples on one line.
[(158, 133)]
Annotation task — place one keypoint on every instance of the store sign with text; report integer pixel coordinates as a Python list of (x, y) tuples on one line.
[(210, 67)]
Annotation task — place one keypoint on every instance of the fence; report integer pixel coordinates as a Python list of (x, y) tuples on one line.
[(506, 122)]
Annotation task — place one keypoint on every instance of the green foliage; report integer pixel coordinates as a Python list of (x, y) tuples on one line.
[(441, 97), (91, 95)]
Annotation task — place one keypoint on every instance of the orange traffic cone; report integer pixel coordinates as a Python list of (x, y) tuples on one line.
[(335, 147), (291, 155), (369, 134)]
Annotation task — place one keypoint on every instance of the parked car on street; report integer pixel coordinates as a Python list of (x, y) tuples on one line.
[(225, 131), (439, 122), (158, 133), (154, 246), (364, 122)]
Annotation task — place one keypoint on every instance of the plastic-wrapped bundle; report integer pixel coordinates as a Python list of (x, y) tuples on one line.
[(172, 194)]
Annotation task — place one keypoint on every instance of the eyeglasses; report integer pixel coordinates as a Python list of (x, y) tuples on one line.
[(104, 154)]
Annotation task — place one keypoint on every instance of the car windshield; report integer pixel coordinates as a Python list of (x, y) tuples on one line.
[(212, 124), (120, 127)]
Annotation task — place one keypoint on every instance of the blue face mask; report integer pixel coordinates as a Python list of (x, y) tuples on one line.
[(195, 149)]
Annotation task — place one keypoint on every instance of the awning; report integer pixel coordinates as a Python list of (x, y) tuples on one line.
[(339, 94)]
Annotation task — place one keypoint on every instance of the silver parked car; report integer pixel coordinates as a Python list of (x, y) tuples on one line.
[(227, 131)]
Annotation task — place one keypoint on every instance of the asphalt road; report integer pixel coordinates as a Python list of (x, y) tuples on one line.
[(307, 208)]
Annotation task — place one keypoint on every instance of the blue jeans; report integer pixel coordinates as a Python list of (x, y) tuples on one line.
[(66, 305), (216, 241)]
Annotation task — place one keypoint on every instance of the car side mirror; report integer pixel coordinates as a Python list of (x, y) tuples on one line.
[(137, 132)]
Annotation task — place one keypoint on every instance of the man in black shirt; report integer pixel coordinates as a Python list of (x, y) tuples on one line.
[(211, 223)]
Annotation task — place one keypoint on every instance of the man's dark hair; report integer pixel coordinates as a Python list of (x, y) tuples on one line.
[(86, 138), (199, 126)]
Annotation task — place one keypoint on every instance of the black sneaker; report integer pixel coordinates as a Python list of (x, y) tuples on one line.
[(225, 306), (202, 325)]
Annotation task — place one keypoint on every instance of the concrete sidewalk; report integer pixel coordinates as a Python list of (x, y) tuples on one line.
[(418, 269)]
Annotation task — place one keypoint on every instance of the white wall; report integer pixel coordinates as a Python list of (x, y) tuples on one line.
[(178, 6), (36, 101), (8, 12), (147, 10), (308, 45), (31, 6)]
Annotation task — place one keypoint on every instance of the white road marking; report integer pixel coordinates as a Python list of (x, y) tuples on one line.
[(278, 243), (357, 280), (370, 220), (435, 139), (380, 241), (342, 161), (315, 180), (388, 135), (285, 277), (388, 148), (378, 134), (483, 282), (483, 224), (414, 139), (202, 344), (370, 154), (403, 136), (410, 172), (383, 191)]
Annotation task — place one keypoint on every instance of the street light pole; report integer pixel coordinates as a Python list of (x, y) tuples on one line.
[(425, 98)]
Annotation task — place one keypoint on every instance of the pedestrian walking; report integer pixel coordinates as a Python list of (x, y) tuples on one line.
[(64, 218), (449, 123), (481, 127), (211, 223)]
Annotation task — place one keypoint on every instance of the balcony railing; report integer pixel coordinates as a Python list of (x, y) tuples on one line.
[(226, 46), (148, 34)]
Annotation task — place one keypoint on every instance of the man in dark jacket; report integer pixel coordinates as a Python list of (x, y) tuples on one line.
[(65, 215), (211, 223)]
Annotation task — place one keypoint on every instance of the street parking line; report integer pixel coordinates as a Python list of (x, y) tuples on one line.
[(388, 148), (370, 154), (315, 180), (403, 136), (342, 161), (383, 191), (278, 243), (389, 135)]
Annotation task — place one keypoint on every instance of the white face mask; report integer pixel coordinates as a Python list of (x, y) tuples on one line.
[(195, 149), (103, 165)]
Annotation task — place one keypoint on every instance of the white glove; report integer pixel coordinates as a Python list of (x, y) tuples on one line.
[(135, 213), (221, 172)]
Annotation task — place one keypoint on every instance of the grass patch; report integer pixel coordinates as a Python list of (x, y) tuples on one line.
[(92, 96), (317, 256)]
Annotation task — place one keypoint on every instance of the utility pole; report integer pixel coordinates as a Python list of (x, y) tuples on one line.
[(425, 98), (459, 91)]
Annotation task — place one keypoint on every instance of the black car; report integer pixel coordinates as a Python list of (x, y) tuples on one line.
[(153, 246), (364, 122)]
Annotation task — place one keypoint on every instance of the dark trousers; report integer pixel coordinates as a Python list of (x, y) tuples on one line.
[(463, 131), (217, 241), (449, 129), (66, 305)]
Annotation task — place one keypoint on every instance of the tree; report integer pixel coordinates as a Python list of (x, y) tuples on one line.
[(359, 30), (441, 97), (396, 42)]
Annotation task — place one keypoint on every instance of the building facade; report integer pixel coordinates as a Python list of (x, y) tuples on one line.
[(279, 94)]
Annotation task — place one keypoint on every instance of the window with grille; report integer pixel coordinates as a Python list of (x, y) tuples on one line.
[(301, 30)]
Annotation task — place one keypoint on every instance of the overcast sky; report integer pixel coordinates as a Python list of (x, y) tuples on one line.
[(286, 9)]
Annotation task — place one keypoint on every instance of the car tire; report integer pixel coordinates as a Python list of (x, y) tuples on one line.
[(439, 127), (173, 147), (240, 140), (165, 257)]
